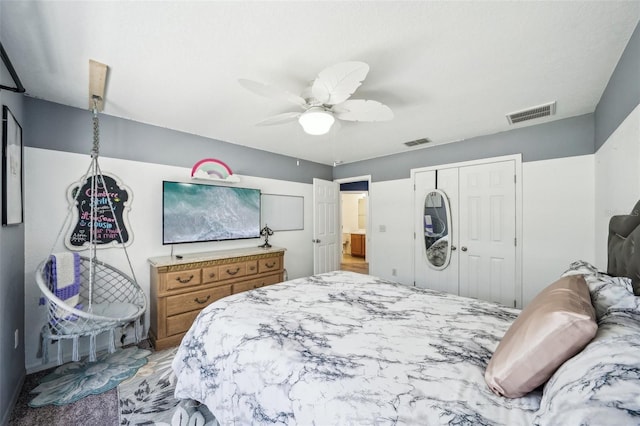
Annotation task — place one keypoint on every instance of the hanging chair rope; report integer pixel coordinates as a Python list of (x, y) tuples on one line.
[(119, 300), (124, 247), (95, 151)]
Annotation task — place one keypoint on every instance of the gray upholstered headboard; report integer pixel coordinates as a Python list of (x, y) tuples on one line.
[(624, 238)]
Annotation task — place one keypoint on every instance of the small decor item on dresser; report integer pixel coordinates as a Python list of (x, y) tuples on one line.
[(266, 232)]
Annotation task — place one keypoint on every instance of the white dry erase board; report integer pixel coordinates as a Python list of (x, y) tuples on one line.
[(283, 212)]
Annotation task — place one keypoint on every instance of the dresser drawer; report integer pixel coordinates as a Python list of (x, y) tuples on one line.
[(183, 279), (269, 264), (267, 280), (256, 283), (210, 274), (243, 286), (180, 323), (233, 270), (252, 267), (195, 300)]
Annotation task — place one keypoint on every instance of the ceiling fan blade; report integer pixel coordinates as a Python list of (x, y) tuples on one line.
[(271, 92), (362, 110), (279, 119), (336, 83)]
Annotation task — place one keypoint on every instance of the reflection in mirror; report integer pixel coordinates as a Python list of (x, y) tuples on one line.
[(437, 221)]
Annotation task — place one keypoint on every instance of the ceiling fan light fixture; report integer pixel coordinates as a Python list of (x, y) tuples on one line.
[(316, 121)]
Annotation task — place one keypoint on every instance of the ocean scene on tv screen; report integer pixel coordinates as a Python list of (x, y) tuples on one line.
[(195, 212)]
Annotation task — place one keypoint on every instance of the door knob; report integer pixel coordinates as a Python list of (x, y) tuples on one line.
[(453, 248), (463, 248)]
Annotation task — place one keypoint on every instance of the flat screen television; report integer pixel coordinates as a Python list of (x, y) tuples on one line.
[(193, 212)]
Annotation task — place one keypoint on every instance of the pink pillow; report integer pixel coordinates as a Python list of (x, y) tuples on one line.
[(555, 326)]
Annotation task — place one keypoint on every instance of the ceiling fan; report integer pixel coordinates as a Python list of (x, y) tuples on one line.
[(326, 99)]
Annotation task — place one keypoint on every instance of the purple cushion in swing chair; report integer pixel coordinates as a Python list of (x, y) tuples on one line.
[(63, 277)]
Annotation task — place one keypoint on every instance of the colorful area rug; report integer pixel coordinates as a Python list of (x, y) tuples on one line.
[(73, 381), (147, 398)]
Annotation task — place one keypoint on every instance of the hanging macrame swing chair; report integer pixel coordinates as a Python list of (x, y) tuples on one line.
[(84, 296)]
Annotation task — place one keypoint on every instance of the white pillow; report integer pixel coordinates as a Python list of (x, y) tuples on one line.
[(606, 291), (601, 384)]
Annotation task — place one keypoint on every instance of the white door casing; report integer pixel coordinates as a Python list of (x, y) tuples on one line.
[(326, 226), (487, 228)]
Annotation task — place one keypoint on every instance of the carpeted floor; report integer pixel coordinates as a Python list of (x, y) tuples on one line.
[(99, 410), (96, 410)]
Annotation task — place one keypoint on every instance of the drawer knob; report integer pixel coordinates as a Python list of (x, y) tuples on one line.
[(184, 281), (212, 275), (202, 301), (234, 272), (251, 268), (270, 265)]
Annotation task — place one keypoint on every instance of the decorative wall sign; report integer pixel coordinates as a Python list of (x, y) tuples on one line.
[(213, 169), (105, 225), (12, 169)]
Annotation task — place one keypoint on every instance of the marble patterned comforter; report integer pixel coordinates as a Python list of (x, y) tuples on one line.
[(344, 348)]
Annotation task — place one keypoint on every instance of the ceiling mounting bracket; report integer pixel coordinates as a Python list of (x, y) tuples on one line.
[(97, 82)]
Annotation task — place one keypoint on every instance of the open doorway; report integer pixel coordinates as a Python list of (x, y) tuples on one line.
[(354, 204)]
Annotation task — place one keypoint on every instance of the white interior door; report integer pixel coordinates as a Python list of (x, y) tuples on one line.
[(326, 226), (487, 242)]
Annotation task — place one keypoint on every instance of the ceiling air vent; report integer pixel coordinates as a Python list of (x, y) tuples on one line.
[(417, 142), (532, 113)]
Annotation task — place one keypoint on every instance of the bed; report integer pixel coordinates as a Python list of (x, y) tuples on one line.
[(346, 348)]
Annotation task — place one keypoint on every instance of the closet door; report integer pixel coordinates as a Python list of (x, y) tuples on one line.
[(426, 277), (487, 232), (447, 279), (423, 183)]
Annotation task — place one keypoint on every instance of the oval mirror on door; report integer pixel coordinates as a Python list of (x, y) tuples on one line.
[(437, 221)]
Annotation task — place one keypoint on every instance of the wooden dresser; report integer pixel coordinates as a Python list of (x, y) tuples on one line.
[(181, 288)]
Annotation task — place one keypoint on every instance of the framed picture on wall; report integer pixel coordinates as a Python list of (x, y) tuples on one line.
[(11, 169)]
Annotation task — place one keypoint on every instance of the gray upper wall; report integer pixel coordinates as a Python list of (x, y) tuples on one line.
[(556, 139), (563, 138), (622, 94), (63, 128)]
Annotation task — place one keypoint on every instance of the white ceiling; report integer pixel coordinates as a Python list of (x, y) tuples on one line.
[(448, 70)]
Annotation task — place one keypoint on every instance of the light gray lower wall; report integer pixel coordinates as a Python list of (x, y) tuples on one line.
[(63, 128), (557, 139), (622, 93), (12, 368)]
